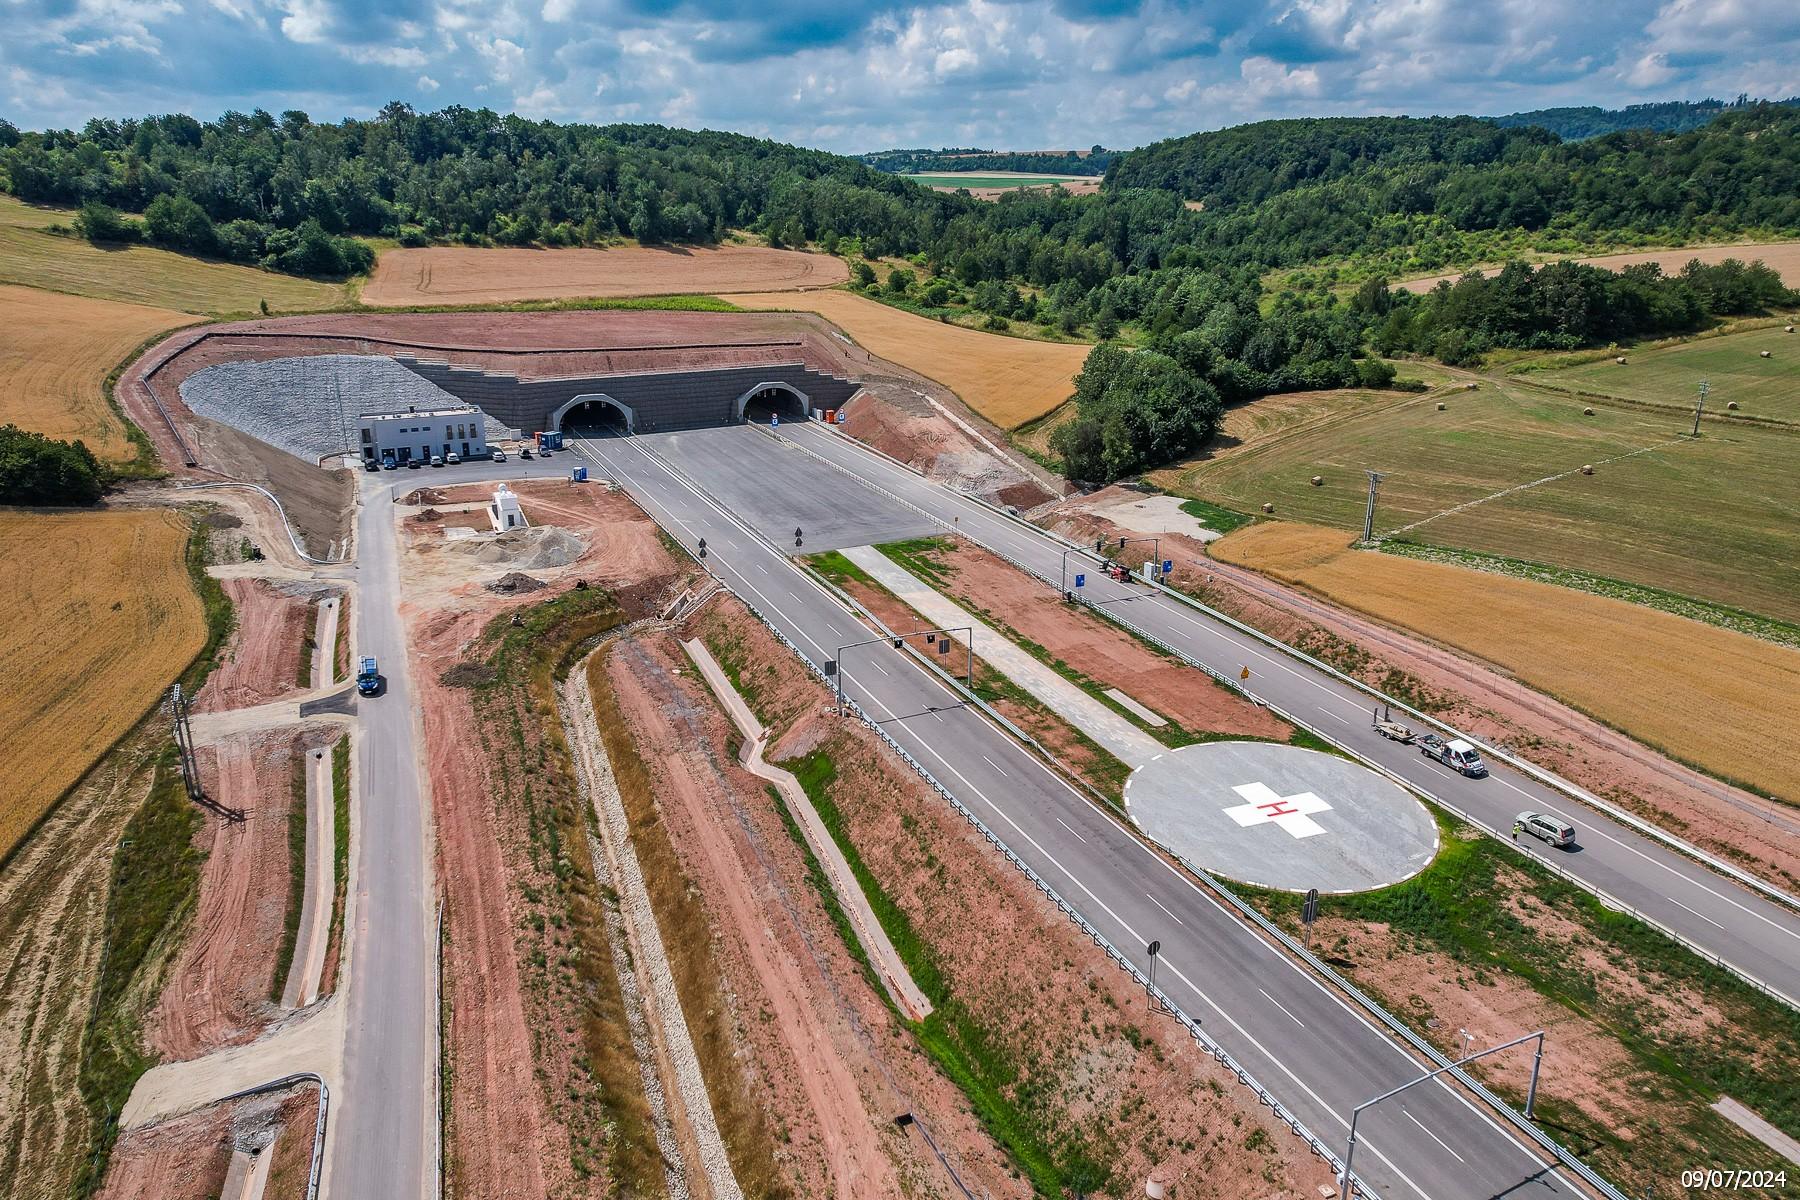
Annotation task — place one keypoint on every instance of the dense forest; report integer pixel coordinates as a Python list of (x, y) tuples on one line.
[(1184, 282), (1668, 116), (1092, 161), (35, 469)]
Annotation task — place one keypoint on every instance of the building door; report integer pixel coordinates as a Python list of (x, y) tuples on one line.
[(465, 450)]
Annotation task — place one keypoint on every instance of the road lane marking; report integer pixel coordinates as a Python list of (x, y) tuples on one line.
[(1434, 1137), (990, 762), (1701, 915), (1334, 716), (1439, 770), (1165, 908), (1071, 829), (1283, 1008)]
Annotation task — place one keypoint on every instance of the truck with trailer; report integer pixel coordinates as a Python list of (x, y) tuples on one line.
[(1456, 754)]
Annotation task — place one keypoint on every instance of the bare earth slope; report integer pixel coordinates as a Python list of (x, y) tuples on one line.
[(1714, 698), (461, 275)]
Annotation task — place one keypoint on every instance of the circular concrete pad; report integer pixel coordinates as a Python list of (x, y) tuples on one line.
[(1282, 817)]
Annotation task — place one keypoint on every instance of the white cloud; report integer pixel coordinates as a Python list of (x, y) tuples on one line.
[(408, 58), (558, 10), (306, 20), (427, 84)]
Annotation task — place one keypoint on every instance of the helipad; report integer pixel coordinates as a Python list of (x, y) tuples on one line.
[(1282, 817)]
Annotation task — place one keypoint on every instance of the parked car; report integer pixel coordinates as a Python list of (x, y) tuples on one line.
[(413, 464), (524, 452), (437, 460), (499, 456), (370, 464), (1547, 826), (388, 463), (452, 458)]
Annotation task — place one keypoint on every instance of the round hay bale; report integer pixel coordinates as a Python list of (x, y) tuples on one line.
[(1620, 360), (1768, 354), (1471, 387), (1442, 406), (1789, 329), (1731, 404), (1587, 412), (1268, 508), (1318, 481), (1587, 469)]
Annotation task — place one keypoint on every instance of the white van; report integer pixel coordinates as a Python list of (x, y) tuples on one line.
[(1546, 826)]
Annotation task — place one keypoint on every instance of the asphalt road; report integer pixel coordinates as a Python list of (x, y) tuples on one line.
[(1751, 933), (1301, 1040)]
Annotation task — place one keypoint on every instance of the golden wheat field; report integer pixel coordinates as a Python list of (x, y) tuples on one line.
[(98, 616), (55, 354), (32, 256), (1718, 699), (1008, 380)]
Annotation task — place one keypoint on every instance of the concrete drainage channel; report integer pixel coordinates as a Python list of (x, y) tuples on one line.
[(659, 1032)]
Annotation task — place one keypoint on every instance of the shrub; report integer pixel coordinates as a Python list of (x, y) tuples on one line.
[(101, 223)]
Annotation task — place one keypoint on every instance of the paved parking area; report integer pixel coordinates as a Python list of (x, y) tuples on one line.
[(1282, 817), (779, 488)]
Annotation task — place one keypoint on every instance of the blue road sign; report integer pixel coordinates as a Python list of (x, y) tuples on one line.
[(1080, 580), (1168, 565)]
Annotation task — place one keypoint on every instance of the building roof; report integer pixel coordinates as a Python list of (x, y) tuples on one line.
[(456, 410)]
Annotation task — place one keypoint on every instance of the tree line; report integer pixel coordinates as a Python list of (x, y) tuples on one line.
[(1093, 161)]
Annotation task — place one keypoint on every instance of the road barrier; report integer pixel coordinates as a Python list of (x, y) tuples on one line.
[(287, 1081), (286, 524)]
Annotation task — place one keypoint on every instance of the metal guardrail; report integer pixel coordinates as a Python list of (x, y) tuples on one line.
[(287, 1081), (1544, 777), (285, 522)]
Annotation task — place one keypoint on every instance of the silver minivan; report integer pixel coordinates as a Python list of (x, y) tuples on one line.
[(1549, 828)]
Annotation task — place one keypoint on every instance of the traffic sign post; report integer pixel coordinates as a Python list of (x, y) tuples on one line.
[(1309, 912)]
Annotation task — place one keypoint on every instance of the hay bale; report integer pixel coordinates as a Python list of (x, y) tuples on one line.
[(1620, 360), (1587, 412), (1318, 481), (1442, 406), (1471, 387), (1587, 469), (1768, 354), (1789, 329), (1268, 508), (1731, 404)]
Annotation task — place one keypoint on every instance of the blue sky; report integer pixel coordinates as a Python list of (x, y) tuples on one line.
[(849, 77)]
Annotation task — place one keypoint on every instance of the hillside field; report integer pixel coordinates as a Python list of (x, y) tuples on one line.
[(31, 256), (1008, 380), (1783, 257), (461, 275), (55, 354), (1615, 660), (97, 618), (1663, 517), (1732, 364)]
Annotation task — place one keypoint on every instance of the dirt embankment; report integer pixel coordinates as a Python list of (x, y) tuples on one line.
[(804, 1032), (218, 992), (190, 1158), (1093, 1071), (895, 420), (524, 1118), (262, 662)]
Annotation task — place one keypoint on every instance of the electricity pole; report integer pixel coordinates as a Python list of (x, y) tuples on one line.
[(1700, 407), (1375, 478)]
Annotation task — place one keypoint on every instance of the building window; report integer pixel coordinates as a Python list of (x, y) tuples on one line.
[(367, 437)]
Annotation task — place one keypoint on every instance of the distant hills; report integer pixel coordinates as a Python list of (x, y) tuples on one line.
[(1668, 116), (1092, 161)]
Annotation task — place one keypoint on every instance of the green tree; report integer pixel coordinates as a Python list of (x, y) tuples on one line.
[(899, 281), (35, 469), (179, 223), (99, 222)]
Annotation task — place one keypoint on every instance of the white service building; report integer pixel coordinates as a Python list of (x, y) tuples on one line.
[(420, 433)]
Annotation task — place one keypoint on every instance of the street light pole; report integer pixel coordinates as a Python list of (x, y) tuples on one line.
[(837, 661), (1356, 1113)]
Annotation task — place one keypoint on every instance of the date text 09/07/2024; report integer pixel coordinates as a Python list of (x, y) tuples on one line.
[(1717, 1180)]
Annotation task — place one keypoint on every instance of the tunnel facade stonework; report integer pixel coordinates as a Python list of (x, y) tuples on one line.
[(659, 401)]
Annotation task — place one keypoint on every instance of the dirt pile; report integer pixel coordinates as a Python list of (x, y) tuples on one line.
[(425, 516), (535, 549), (514, 583), (425, 495)]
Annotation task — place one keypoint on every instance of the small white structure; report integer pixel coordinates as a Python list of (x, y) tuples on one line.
[(505, 512), (420, 433)]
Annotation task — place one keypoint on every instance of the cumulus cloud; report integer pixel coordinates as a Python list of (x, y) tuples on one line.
[(890, 72)]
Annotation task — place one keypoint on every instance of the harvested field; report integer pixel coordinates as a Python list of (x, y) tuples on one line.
[(33, 257), (1731, 363), (991, 185), (464, 275), (99, 617), (1008, 380), (1657, 517), (55, 354), (218, 987), (1784, 257), (262, 661), (1645, 672), (1099, 1092)]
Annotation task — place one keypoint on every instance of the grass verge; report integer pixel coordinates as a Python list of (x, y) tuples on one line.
[(155, 879), (952, 1036), (296, 838), (309, 642), (1498, 914)]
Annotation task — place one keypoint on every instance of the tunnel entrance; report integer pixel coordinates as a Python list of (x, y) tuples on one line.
[(595, 414), (768, 399)]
